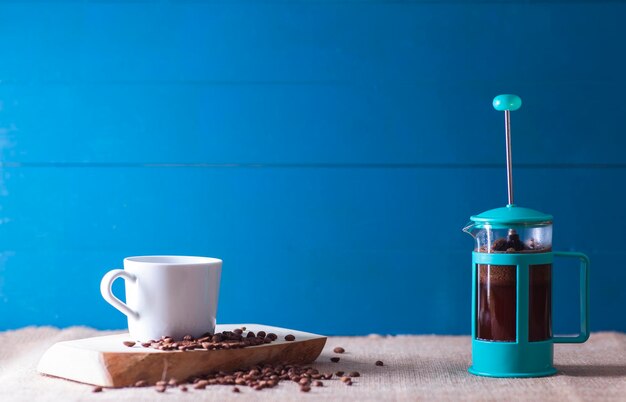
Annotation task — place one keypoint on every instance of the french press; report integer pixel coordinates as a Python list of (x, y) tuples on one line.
[(512, 284)]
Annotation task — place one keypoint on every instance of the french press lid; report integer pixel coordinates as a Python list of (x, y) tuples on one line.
[(511, 216)]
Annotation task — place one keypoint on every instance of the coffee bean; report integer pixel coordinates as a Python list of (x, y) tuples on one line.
[(261, 334), (339, 373), (96, 389), (334, 359), (146, 344), (339, 349), (236, 390), (379, 363), (290, 338), (272, 336), (256, 377), (223, 340), (201, 384), (238, 331), (141, 383), (354, 374), (130, 344)]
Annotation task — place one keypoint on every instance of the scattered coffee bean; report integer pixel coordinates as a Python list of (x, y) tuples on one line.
[(251, 335), (256, 377), (261, 334), (146, 344), (130, 344), (243, 328), (379, 363), (339, 349), (290, 338), (354, 374), (238, 331), (272, 336), (334, 359), (96, 389)]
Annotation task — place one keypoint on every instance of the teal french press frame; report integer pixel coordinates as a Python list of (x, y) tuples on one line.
[(523, 358)]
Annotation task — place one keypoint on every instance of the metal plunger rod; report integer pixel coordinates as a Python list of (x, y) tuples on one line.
[(509, 162), (508, 103)]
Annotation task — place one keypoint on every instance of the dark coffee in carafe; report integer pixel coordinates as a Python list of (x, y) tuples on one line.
[(497, 296)]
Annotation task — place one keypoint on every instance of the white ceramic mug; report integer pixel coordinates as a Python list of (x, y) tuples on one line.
[(167, 295)]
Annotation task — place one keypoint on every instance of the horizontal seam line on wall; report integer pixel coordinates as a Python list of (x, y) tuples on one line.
[(323, 2), (314, 165), (296, 82)]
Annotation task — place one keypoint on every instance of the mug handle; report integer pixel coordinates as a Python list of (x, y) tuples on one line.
[(107, 293), (584, 299)]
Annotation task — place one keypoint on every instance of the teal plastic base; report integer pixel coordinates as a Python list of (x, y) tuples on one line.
[(510, 359), (512, 375)]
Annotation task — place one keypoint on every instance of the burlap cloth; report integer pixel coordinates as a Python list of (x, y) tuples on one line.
[(416, 368)]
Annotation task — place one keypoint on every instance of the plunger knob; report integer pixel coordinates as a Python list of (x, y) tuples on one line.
[(507, 102)]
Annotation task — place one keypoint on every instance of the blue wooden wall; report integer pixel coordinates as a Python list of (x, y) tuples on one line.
[(329, 151)]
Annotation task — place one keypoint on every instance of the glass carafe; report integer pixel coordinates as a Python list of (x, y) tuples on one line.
[(497, 284)]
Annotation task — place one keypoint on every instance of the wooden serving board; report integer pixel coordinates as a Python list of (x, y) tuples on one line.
[(105, 361)]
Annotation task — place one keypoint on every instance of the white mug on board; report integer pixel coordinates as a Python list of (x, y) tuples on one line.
[(167, 295)]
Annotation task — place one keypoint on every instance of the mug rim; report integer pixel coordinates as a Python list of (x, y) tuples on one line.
[(172, 260)]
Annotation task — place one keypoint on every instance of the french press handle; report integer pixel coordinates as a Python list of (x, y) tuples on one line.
[(584, 299)]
